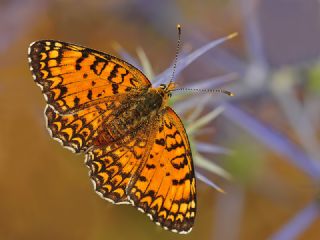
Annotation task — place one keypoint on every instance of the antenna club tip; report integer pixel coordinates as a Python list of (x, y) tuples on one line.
[(179, 28), (231, 94), (232, 35)]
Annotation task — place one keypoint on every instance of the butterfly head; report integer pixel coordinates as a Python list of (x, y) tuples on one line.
[(166, 89), (164, 92)]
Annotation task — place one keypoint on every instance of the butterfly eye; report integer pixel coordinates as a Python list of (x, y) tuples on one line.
[(170, 94), (163, 86)]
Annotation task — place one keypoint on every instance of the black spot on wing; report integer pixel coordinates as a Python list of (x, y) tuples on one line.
[(181, 181), (63, 90), (142, 178), (150, 166), (76, 101), (80, 60), (160, 142), (115, 88), (89, 95), (180, 164), (113, 73)]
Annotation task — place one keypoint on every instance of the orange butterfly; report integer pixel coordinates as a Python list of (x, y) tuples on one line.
[(136, 147)]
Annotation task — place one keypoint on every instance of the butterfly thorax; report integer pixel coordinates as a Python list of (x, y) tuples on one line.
[(134, 113)]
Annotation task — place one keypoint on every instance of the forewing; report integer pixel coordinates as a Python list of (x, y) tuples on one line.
[(165, 187), (73, 77), (111, 167)]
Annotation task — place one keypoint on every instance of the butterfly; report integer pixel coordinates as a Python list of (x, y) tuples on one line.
[(135, 145)]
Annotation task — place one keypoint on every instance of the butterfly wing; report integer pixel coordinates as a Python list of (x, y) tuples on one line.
[(111, 167), (82, 88), (73, 78), (164, 187)]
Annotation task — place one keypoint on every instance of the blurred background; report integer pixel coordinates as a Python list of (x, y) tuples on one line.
[(261, 146)]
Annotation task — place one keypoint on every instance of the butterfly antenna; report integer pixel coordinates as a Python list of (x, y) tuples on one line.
[(217, 90), (177, 53)]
